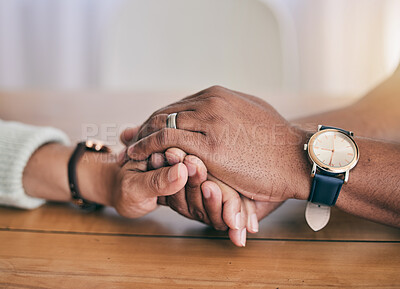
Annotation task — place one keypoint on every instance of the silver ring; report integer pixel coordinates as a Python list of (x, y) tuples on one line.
[(171, 120)]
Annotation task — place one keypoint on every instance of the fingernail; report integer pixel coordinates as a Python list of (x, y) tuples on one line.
[(237, 221), (191, 169), (128, 135), (171, 158), (254, 223), (206, 192), (157, 160), (173, 173), (243, 237)]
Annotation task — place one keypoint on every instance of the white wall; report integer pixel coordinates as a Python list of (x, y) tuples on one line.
[(190, 44), (345, 46), (340, 47)]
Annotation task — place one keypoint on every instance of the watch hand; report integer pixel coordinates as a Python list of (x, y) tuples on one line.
[(333, 150)]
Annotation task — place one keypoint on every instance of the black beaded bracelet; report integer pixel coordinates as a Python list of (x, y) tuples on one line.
[(80, 149)]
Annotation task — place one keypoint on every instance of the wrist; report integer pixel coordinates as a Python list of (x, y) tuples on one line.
[(96, 174), (299, 165), (45, 175)]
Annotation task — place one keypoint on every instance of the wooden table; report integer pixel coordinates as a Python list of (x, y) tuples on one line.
[(57, 246)]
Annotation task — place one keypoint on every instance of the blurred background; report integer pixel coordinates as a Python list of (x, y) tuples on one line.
[(302, 56)]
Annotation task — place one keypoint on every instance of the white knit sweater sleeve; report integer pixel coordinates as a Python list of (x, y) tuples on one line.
[(17, 143)]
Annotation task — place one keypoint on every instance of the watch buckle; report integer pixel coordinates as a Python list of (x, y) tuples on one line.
[(346, 177), (313, 170)]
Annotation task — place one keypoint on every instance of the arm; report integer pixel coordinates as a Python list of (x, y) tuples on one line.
[(33, 168), (255, 151), (373, 191), (376, 115), (45, 175), (132, 190)]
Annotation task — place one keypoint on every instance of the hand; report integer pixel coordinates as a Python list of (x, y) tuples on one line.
[(242, 140), (187, 201), (130, 189), (136, 190), (219, 205)]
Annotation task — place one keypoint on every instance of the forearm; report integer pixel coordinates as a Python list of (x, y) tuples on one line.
[(46, 174), (373, 190), (376, 115)]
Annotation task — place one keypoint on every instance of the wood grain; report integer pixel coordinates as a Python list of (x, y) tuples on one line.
[(38, 260), (57, 246), (287, 222)]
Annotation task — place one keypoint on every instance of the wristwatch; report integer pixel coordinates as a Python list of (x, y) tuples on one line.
[(333, 153)]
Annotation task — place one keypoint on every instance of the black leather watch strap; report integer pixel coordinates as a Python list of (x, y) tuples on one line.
[(325, 189), (336, 128)]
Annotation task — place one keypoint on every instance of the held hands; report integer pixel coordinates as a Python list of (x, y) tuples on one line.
[(250, 148), (218, 205), (242, 140)]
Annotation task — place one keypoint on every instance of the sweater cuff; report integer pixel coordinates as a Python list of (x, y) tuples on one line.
[(18, 142)]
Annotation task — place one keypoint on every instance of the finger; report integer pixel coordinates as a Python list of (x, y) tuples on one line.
[(156, 161), (162, 201), (244, 218), (212, 200), (136, 166), (128, 136), (181, 105), (190, 142), (197, 175), (122, 157), (263, 209), (185, 120), (161, 182), (231, 212), (238, 237), (174, 156), (153, 124), (192, 102), (177, 202), (252, 220)]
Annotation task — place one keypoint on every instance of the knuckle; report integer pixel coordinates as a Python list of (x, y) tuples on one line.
[(153, 124), (215, 89), (198, 215), (159, 111), (156, 183), (213, 143), (124, 212), (156, 121), (160, 138), (235, 199), (126, 187), (212, 115), (163, 137)]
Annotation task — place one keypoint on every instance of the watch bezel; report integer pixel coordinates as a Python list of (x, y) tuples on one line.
[(324, 167)]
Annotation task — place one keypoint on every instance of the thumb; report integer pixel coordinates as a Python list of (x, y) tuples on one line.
[(128, 136), (163, 181)]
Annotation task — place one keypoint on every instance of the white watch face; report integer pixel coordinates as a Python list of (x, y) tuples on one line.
[(333, 150)]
